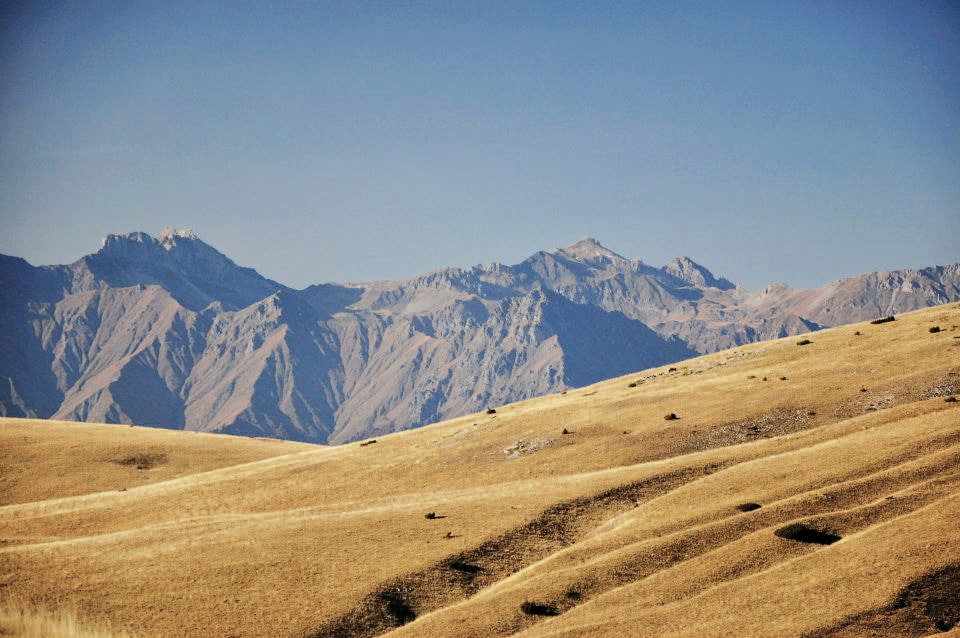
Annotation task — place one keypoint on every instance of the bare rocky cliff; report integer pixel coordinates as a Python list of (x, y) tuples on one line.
[(167, 331)]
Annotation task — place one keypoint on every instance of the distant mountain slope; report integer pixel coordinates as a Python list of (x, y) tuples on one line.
[(169, 332)]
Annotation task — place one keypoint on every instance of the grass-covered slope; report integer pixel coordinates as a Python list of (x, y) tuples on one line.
[(627, 524), (42, 460)]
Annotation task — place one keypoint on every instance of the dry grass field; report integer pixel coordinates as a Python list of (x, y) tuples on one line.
[(803, 490)]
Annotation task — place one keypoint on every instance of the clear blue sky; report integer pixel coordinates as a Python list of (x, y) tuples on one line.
[(770, 141)]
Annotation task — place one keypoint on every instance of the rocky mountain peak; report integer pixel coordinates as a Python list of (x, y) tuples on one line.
[(194, 272), (117, 242), (687, 270), (168, 236), (588, 249)]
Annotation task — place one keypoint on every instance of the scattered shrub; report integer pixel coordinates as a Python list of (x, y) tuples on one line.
[(491, 411), (539, 609), (884, 320), (764, 378), (950, 399), (804, 342), (863, 389), (566, 431), (783, 378), (670, 417), (672, 370), (143, 461), (934, 329), (370, 442), (752, 376), (804, 534), (748, 507), (632, 384), (857, 333), (430, 516), (573, 594)]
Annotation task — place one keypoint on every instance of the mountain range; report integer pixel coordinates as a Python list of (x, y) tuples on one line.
[(169, 332)]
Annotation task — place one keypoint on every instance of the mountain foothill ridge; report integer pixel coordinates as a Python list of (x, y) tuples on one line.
[(167, 331)]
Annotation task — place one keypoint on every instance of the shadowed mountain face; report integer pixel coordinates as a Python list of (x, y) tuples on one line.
[(168, 331)]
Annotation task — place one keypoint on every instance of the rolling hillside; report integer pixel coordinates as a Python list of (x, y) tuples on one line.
[(802, 490)]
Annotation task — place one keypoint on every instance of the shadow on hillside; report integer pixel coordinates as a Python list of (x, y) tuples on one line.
[(928, 605)]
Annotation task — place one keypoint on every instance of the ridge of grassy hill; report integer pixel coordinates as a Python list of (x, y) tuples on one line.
[(42, 459)]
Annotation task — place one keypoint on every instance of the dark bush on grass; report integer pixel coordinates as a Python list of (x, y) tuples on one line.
[(748, 507), (883, 320), (539, 609)]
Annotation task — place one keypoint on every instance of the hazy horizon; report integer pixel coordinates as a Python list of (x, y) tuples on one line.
[(357, 142)]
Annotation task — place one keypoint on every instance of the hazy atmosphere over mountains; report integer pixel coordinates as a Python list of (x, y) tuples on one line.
[(168, 331)]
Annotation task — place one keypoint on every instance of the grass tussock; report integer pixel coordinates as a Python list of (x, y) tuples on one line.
[(22, 622)]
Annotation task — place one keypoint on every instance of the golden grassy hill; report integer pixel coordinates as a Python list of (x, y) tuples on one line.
[(628, 524), (41, 460)]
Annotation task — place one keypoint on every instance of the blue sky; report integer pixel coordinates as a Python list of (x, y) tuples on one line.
[(769, 141)]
